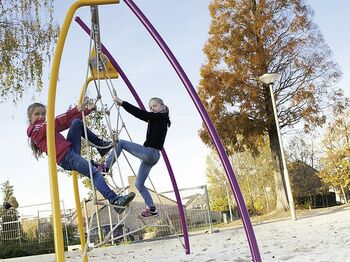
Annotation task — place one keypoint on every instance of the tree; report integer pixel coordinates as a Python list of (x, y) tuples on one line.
[(216, 181), (8, 194), (301, 148), (10, 230), (248, 39), (7, 190), (254, 176), (9, 199), (336, 162), (26, 41)]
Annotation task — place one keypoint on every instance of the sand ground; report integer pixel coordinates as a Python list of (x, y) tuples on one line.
[(323, 236)]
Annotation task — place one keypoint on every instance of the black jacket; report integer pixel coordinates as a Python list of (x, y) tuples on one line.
[(157, 125)]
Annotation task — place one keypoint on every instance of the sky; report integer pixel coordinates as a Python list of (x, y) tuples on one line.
[(184, 26)]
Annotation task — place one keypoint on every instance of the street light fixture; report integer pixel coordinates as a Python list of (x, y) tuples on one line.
[(269, 79)]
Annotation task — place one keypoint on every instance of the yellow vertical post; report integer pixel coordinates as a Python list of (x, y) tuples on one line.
[(51, 149), (79, 214), (83, 90), (76, 188)]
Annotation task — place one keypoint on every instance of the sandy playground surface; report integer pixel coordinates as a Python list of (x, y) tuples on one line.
[(324, 236)]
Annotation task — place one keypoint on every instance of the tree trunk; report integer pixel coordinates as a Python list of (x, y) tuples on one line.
[(266, 199), (281, 196), (344, 195), (250, 194)]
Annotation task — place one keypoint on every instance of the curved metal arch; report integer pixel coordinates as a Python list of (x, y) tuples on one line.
[(50, 128), (208, 123), (194, 96)]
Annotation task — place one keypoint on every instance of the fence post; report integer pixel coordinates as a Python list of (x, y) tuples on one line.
[(39, 233), (228, 201), (208, 209), (97, 219), (65, 222), (85, 215), (19, 231), (110, 223)]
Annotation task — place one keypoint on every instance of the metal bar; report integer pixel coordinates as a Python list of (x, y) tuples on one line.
[(79, 213), (212, 131), (208, 210), (65, 222), (50, 129), (284, 163), (183, 189)]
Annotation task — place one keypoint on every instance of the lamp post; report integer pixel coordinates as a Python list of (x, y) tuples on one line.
[(269, 79)]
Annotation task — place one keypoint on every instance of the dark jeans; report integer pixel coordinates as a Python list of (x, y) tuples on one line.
[(149, 157), (72, 160)]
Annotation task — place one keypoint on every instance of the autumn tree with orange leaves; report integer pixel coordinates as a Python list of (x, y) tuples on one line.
[(335, 171), (248, 38)]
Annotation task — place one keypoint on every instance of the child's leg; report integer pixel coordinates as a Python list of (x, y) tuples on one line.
[(147, 154), (76, 131), (73, 161), (74, 135), (140, 183)]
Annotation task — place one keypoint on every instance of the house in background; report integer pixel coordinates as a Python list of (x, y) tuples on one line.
[(307, 187), (168, 210), (196, 201), (107, 215)]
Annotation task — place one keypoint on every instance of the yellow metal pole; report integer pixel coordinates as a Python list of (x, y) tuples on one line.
[(83, 90), (79, 214), (51, 149), (76, 188)]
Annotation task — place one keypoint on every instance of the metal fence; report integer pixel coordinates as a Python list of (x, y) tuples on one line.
[(10, 227), (22, 236), (167, 223)]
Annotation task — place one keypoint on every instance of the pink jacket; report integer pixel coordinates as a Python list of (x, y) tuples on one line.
[(37, 131)]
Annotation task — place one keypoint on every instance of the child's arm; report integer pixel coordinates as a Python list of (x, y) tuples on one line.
[(137, 112), (63, 121)]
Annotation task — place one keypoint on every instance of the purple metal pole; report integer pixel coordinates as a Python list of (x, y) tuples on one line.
[(164, 154), (212, 131)]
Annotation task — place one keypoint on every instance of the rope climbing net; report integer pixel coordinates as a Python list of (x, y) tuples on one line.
[(101, 73)]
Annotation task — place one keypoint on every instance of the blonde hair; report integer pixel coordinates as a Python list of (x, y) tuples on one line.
[(161, 102), (36, 151), (164, 109)]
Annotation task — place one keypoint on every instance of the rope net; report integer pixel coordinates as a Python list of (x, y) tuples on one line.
[(111, 126)]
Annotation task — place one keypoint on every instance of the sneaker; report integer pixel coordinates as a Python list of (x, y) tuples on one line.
[(123, 201), (149, 213), (107, 146)]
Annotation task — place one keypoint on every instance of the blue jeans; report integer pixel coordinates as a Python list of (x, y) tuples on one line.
[(149, 157), (72, 160)]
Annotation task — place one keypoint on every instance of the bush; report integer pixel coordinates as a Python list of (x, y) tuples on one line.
[(9, 249)]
